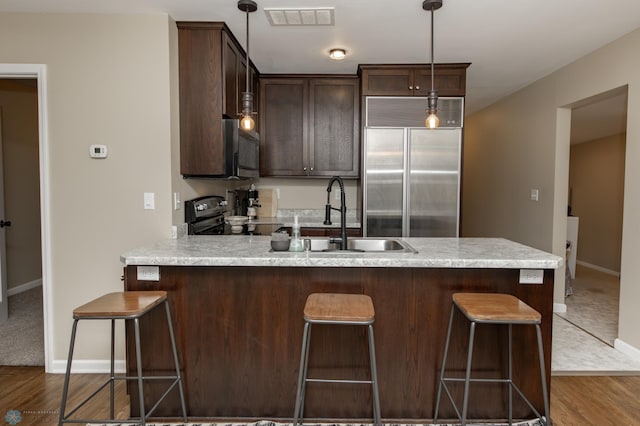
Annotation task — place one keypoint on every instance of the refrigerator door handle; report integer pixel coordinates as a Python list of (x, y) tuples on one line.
[(406, 184)]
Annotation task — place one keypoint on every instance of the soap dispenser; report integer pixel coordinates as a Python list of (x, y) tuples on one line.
[(296, 243)]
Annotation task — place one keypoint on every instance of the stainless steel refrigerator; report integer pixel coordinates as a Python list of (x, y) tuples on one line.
[(411, 180)]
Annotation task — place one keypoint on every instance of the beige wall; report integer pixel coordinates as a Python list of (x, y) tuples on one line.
[(522, 142), (19, 109), (108, 83), (596, 181), (310, 193)]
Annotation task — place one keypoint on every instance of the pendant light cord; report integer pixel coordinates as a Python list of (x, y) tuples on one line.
[(432, 66), (248, 66)]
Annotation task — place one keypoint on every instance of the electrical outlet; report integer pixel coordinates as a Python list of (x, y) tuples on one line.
[(531, 276), (148, 273)]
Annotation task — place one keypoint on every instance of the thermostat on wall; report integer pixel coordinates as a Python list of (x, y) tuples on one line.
[(98, 151)]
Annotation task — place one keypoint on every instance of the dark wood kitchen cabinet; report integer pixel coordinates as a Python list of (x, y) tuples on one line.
[(212, 68), (310, 126), (239, 329), (412, 79)]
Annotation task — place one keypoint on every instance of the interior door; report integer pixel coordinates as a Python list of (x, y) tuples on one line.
[(4, 305)]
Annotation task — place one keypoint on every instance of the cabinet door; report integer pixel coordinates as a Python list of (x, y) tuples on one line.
[(283, 147), (233, 79), (387, 82), (447, 81), (200, 79), (334, 122)]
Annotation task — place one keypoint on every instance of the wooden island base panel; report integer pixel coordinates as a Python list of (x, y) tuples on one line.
[(239, 330)]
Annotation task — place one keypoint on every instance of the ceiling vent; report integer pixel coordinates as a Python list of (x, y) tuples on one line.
[(300, 16)]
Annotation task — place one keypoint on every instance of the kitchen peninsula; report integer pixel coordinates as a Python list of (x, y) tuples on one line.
[(238, 317)]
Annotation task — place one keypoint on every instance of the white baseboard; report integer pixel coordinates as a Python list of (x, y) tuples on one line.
[(598, 268), (88, 366), (559, 307), (24, 287), (627, 349)]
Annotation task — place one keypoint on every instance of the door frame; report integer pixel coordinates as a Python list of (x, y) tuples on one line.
[(4, 294), (39, 72)]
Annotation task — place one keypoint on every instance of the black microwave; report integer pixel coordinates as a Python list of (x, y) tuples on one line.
[(241, 150)]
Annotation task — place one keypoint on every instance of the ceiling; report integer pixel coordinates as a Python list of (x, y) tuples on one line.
[(509, 43)]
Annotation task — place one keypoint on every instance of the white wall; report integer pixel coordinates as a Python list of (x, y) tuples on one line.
[(108, 83), (522, 142)]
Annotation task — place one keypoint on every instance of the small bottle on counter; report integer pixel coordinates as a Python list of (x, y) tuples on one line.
[(296, 243)]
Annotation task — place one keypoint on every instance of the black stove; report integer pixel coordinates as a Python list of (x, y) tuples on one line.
[(205, 215)]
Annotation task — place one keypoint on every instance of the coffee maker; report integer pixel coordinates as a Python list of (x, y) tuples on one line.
[(247, 201)]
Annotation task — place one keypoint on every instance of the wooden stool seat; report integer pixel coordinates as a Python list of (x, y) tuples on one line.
[(339, 308), (128, 304), (495, 307), (503, 310)]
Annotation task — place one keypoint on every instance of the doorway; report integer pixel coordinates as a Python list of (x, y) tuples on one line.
[(22, 272), (595, 212), (38, 73)]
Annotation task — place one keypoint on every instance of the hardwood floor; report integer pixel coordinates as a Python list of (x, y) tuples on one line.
[(575, 401), (37, 395)]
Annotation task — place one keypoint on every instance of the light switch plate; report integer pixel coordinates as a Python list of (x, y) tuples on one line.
[(149, 201), (531, 276)]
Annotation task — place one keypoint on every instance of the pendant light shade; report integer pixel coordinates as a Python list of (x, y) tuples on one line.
[(432, 120), (247, 122)]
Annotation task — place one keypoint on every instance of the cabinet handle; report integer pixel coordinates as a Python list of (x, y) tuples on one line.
[(410, 87), (304, 168), (417, 87), (312, 169)]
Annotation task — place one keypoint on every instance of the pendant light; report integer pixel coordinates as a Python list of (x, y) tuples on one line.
[(432, 120), (247, 122)]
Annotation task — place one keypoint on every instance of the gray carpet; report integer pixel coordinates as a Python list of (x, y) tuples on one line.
[(22, 336)]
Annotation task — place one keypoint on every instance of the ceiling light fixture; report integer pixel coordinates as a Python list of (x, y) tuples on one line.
[(432, 120), (337, 54), (247, 122)]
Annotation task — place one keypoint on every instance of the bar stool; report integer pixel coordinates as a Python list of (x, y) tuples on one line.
[(337, 309), (492, 308), (128, 305)]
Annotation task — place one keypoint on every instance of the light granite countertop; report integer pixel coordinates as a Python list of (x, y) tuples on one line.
[(251, 250)]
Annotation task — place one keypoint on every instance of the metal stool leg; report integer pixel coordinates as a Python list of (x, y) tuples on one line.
[(374, 378), (65, 389), (543, 375), (139, 368), (444, 364), (510, 374), (112, 370), (467, 379), (302, 374), (176, 361)]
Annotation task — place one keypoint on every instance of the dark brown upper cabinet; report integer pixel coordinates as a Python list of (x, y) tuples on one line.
[(212, 68), (310, 126), (412, 79)]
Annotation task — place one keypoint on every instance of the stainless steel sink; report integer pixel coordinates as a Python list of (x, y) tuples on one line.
[(363, 245)]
